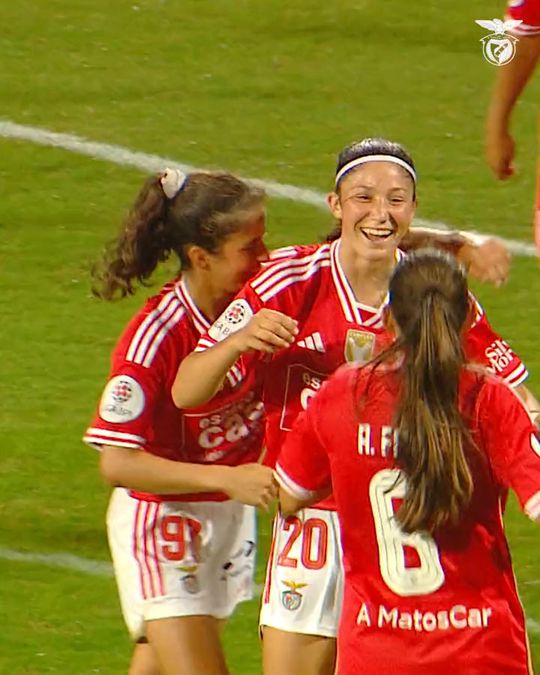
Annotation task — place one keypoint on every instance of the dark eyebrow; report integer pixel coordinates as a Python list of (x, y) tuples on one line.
[(370, 187)]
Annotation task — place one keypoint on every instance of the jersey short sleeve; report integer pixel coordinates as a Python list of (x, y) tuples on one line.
[(125, 411), (526, 11), (485, 347), (512, 443), (142, 362)]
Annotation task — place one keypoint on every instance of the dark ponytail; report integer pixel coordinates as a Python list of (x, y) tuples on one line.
[(429, 303)]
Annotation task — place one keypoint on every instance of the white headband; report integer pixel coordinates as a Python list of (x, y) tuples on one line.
[(172, 181), (374, 158)]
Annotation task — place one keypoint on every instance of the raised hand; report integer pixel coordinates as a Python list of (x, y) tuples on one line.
[(268, 331), (488, 261)]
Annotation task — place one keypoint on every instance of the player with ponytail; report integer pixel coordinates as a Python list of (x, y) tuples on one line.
[(181, 520), (419, 449)]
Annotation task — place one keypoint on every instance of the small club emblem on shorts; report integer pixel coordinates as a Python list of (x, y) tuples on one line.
[(190, 580), (292, 599)]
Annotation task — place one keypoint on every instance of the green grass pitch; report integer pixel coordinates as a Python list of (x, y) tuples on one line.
[(269, 90)]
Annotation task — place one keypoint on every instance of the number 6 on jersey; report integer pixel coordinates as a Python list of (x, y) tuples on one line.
[(386, 486)]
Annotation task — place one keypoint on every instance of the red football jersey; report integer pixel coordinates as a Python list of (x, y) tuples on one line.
[(528, 11), (137, 411), (416, 603), (334, 328)]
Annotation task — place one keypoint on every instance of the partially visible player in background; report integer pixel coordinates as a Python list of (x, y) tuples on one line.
[(336, 293), (419, 450), (510, 81), (181, 538)]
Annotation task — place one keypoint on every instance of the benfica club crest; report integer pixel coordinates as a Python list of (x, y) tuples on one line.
[(190, 580), (292, 599), (358, 346), (499, 48)]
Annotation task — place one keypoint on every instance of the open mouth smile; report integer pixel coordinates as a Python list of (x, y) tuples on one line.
[(377, 234)]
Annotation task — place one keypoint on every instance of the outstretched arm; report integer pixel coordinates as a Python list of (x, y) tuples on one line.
[(486, 258)]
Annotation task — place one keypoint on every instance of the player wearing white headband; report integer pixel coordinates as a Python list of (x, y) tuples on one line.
[(295, 323)]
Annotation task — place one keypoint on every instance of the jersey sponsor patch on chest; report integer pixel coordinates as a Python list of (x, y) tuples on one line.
[(301, 385), (122, 400), (358, 346)]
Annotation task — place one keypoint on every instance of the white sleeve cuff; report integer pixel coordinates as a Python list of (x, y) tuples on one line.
[(291, 486)]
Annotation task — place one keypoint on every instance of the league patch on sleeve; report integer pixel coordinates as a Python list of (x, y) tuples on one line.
[(122, 400), (236, 316)]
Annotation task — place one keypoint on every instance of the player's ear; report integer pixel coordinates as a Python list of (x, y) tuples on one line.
[(334, 204), (198, 257)]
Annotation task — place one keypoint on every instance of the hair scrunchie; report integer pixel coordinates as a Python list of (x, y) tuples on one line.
[(172, 181)]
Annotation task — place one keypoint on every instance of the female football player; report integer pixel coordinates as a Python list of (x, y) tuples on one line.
[(294, 324), (181, 537), (419, 450)]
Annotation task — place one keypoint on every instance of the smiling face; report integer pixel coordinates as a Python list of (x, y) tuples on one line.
[(240, 255), (375, 204)]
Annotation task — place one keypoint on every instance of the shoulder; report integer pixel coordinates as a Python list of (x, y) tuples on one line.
[(348, 378), (287, 272), (154, 328), (492, 396), (288, 252)]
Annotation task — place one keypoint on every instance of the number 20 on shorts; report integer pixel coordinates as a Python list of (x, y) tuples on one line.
[(312, 548)]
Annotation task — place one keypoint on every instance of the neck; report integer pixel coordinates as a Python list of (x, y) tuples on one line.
[(368, 278), (210, 301)]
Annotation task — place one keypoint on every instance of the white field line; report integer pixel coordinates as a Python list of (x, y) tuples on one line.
[(100, 568), (96, 568), (148, 162)]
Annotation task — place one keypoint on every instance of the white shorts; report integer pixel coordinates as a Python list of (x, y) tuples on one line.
[(180, 558), (304, 579)]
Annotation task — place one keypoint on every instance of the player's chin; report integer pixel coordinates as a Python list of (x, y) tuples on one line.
[(377, 247)]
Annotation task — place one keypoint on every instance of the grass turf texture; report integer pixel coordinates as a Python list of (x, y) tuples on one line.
[(271, 90)]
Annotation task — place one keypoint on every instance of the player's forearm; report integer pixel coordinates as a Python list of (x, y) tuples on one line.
[(289, 504), (510, 81), (420, 237), (201, 374), (139, 470)]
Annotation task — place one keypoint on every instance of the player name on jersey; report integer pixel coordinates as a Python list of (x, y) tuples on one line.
[(458, 617), (381, 443)]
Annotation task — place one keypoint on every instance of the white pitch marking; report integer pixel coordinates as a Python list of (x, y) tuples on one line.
[(149, 162), (66, 561), (101, 568)]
